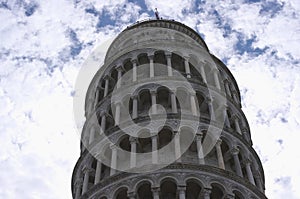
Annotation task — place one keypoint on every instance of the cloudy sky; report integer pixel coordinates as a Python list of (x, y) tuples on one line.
[(43, 45)]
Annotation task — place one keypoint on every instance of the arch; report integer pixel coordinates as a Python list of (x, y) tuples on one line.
[(193, 189), (163, 98), (184, 104), (238, 195), (165, 136), (217, 191), (121, 193), (168, 188), (144, 102), (202, 103), (178, 63), (144, 190)]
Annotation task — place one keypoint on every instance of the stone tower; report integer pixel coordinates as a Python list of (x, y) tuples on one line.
[(164, 121)]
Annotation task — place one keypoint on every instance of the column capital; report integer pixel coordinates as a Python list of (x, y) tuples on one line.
[(247, 161), (234, 151), (135, 96), (219, 142), (131, 195), (168, 54), (78, 183), (151, 56), (206, 191), (153, 91), (132, 140), (134, 60), (199, 136), (119, 67), (113, 146), (106, 77), (181, 187), (155, 189), (86, 169)]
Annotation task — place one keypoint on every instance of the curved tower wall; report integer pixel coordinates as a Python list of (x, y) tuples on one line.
[(166, 63)]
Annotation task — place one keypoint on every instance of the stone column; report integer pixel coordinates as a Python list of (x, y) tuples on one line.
[(227, 88), (134, 70), (98, 172), (92, 134), (90, 106), (113, 159), (134, 107), (117, 113), (119, 82), (106, 85), (249, 171), (181, 192), (177, 146), (237, 164), (103, 123), (235, 98), (258, 181), (169, 64), (96, 97), (85, 185), (187, 67), (206, 193), (155, 192), (216, 78), (193, 104), (202, 71), (199, 148), (133, 142), (237, 124), (220, 155), (226, 120), (153, 101), (154, 149), (174, 103), (131, 195), (78, 185), (151, 57), (211, 109)]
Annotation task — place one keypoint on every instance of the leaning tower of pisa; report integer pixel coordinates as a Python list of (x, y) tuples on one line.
[(164, 121)]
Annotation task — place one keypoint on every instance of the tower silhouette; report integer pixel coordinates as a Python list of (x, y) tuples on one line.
[(164, 120)]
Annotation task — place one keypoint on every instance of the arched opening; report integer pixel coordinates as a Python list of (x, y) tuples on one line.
[(227, 156), (144, 191), (203, 107), (104, 171), (143, 70), (164, 137), (160, 64), (195, 73), (211, 157), (163, 98), (127, 78), (216, 191), (145, 144), (125, 143), (178, 63), (168, 190), (144, 103), (184, 105), (238, 195), (188, 146), (193, 189), (122, 194)]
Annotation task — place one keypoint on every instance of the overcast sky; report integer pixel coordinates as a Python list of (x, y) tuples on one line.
[(43, 45)]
